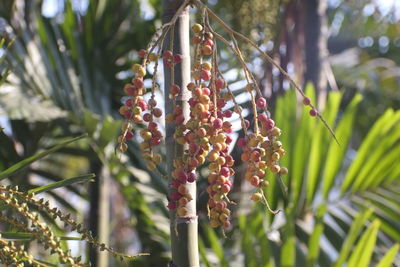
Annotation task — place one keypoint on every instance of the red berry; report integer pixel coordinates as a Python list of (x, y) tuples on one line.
[(127, 115), (157, 112), (129, 102), (129, 135), (191, 86), (205, 75), (227, 113), (167, 54), (178, 58), (225, 188), (192, 102), (241, 142), (175, 89), (182, 177), (217, 124), (261, 102), (225, 171), (221, 102), (313, 112), (177, 110), (153, 126), (175, 184), (209, 42), (220, 83), (152, 102), (269, 124), (155, 141), (142, 105), (306, 101), (179, 119), (206, 91), (138, 82), (147, 117), (171, 205), (131, 91), (191, 177), (142, 53)]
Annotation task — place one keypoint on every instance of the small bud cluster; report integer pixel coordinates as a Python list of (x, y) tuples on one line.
[(42, 233), (40, 230)]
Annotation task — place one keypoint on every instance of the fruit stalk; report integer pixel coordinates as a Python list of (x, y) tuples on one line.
[(184, 234)]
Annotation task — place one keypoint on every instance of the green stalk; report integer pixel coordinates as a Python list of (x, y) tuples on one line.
[(184, 235)]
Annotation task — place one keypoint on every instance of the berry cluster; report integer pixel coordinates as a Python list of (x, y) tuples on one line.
[(204, 135), (204, 132)]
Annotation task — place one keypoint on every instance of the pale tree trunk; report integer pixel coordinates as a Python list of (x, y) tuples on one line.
[(184, 235)]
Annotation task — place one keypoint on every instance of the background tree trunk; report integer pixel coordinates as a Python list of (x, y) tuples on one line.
[(184, 235), (316, 42)]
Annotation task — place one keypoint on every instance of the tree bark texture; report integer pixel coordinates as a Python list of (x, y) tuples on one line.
[(184, 233), (316, 34)]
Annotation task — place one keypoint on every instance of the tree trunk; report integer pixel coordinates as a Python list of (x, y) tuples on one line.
[(184, 235), (316, 31)]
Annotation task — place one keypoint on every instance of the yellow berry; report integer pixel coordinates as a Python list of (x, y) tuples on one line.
[(283, 171), (256, 197), (136, 67), (182, 212), (275, 168), (214, 223), (153, 57), (206, 66), (144, 145), (197, 28), (151, 166), (141, 72), (157, 158)]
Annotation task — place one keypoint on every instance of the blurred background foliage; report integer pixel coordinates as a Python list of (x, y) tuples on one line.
[(62, 67)]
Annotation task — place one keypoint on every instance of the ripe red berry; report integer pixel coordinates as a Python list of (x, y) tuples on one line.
[(175, 89), (269, 124), (191, 177), (306, 101), (129, 102), (147, 117), (209, 42), (129, 135), (175, 196), (171, 205), (206, 75), (138, 82), (206, 91), (152, 102), (178, 58), (167, 54), (157, 112), (220, 83), (142, 53), (261, 102), (228, 113), (313, 112), (217, 124), (142, 105)]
